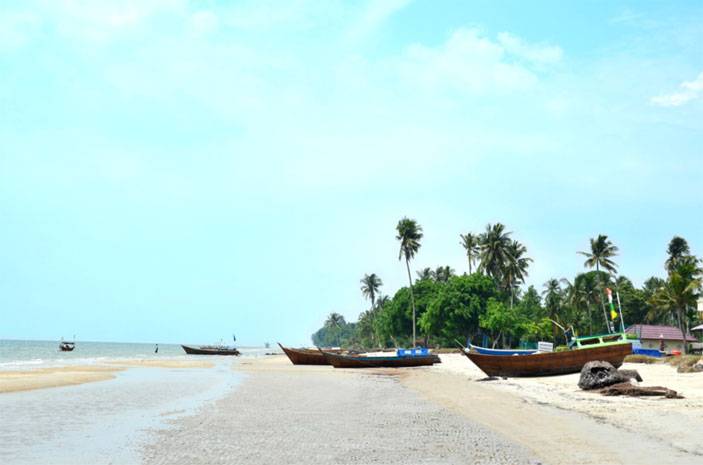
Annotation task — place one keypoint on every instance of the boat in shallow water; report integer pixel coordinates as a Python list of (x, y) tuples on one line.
[(65, 346), (210, 350), (549, 363), (361, 361)]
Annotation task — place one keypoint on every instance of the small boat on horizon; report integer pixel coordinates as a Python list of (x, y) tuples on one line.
[(67, 346), (210, 350)]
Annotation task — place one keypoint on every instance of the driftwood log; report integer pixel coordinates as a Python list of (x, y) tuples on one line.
[(629, 389)]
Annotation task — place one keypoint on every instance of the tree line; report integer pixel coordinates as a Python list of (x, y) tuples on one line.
[(489, 304)]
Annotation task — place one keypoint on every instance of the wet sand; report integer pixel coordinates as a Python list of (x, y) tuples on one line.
[(319, 415), (41, 378)]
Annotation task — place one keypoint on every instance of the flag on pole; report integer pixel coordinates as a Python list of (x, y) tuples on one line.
[(613, 313)]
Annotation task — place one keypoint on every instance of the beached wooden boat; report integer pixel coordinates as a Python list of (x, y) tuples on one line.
[(304, 356), (487, 351), (210, 350), (549, 363), (361, 361)]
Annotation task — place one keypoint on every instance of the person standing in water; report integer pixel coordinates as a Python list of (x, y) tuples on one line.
[(156, 350)]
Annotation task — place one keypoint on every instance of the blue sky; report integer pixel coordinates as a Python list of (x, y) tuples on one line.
[(178, 171)]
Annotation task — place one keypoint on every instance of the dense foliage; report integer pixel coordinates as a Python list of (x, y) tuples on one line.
[(489, 305)]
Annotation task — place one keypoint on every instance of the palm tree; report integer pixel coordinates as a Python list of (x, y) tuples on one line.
[(370, 285), (552, 301), (494, 254), (335, 320), (409, 235), (381, 301), (443, 273), (677, 250), (470, 242), (515, 268), (602, 250), (680, 294), (426, 273)]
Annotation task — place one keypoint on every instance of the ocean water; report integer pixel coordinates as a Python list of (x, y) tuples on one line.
[(19, 354), (104, 422)]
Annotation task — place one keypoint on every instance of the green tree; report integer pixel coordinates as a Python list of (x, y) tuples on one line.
[(553, 298), (680, 294), (600, 256), (515, 268), (370, 285), (425, 273), (494, 250), (677, 251), (409, 235), (499, 320), (443, 273), (470, 242), (454, 311)]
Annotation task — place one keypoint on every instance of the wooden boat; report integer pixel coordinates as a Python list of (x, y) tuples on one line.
[(487, 351), (549, 363), (304, 356), (210, 350), (600, 340), (360, 361), (67, 346)]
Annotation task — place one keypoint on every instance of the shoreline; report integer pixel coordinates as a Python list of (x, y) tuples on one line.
[(257, 407)]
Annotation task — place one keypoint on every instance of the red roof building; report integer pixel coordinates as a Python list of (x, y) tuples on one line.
[(656, 332)]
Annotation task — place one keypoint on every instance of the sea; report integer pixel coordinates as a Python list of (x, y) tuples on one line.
[(21, 354), (111, 421)]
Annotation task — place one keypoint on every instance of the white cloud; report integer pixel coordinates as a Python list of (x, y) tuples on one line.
[(689, 91), (473, 63), (373, 16), (536, 53)]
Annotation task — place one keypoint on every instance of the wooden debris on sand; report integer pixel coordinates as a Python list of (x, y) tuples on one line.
[(628, 389)]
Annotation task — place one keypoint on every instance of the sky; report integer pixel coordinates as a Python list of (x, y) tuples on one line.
[(178, 171)]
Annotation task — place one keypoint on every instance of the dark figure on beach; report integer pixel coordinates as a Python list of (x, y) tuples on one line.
[(156, 351)]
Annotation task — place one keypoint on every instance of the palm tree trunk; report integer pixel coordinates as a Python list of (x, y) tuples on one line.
[(469, 263), (412, 299), (682, 327)]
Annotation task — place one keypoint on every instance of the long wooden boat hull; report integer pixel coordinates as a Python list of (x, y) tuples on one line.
[(209, 350), (304, 356), (549, 363), (347, 361)]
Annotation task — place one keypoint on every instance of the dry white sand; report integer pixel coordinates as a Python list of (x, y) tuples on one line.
[(318, 415), (562, 424)]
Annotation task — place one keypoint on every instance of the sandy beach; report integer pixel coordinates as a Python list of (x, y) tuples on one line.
[(265, 410)]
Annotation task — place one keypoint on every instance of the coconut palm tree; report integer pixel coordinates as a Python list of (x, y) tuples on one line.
[(470, 242), (494, 250), (335, 320), (443, 273), (677, 250), (680, 293), (409, 235), (602, 251), (370, 285), (426, 273), (515, 268), (552, 301)]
